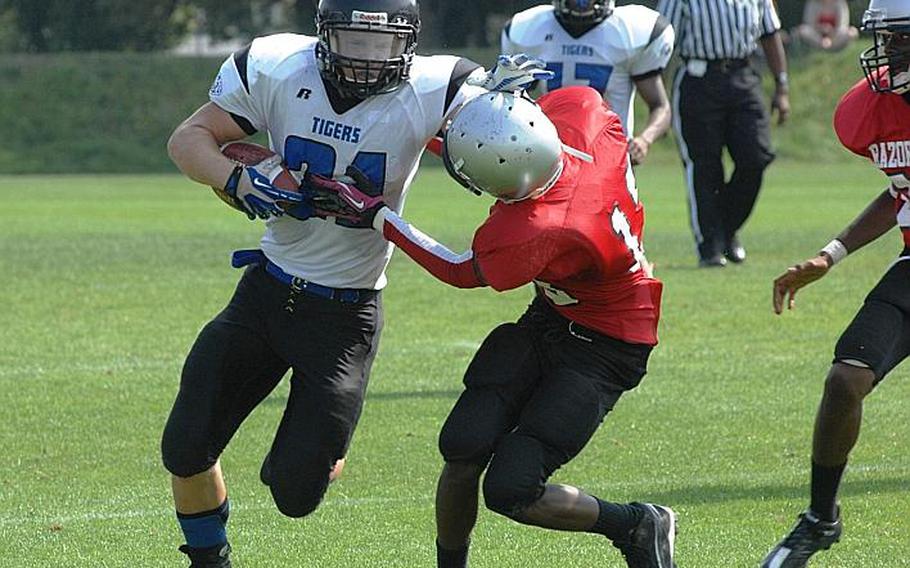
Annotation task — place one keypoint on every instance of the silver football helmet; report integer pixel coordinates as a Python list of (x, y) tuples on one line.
[(887, 63), (504, 145)]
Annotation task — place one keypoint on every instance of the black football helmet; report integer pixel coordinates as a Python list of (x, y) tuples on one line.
[(887, 63), (583, 12), (366, 46)]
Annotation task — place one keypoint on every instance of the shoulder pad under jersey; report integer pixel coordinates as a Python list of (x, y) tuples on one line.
[(636, 25), (854, 124), (277, 56), (531, 26)]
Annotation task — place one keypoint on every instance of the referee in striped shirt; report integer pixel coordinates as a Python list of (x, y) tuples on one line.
[(718, 102)]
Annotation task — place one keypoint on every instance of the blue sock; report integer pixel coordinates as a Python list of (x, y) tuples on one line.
[(206, 529)]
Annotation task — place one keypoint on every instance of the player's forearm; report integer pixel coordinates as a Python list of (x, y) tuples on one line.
[(658, 123), (652, 91), (453, 269), (194, 150), (776, 57), (876, 220)]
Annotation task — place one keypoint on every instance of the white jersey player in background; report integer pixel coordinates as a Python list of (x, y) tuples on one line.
[(615, 50), (309, 300)]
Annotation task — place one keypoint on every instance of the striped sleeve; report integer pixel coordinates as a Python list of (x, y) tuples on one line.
[(672, 10), (770, 22)]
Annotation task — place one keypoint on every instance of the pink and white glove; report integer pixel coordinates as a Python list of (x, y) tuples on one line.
[(348, 196)]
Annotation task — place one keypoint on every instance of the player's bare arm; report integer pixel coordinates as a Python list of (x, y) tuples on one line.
[(876, 220), (777, 62), (195, 145), (651, 89)]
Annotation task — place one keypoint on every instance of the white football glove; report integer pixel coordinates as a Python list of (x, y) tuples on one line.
[(511, 73)]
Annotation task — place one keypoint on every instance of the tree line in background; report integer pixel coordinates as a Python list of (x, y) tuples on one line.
[(41, 26)]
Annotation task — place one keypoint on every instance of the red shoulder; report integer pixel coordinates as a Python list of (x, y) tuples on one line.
[(580, 116), (855, 120), (509, 225)]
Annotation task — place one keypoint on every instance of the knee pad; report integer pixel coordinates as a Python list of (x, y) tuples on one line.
[(460, 445), (516, 477), (182, 458), (849, 382), (472, 429), (509, 496), (298, 496), (299, 501)]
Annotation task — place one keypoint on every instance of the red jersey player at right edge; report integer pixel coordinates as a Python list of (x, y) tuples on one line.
[(872, 120), (567, 218)]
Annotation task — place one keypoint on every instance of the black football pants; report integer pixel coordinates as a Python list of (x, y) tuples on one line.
[(879, 334), (723, 108), (241, 355), (535, 393)]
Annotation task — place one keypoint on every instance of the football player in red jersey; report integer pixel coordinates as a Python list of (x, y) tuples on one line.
[(872, 120), (568, 220)]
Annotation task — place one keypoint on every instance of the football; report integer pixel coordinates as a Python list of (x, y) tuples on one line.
[(270, 163)]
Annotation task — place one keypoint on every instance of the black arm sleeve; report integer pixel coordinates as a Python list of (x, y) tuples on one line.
[(463, 68)]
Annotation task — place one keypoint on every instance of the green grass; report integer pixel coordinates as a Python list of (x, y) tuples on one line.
[(109, 112), (107, 280)]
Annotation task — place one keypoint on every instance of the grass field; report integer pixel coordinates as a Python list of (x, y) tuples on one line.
[(107, 280)]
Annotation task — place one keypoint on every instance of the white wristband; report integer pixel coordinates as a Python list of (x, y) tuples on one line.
[(380, 218), (836, 251)]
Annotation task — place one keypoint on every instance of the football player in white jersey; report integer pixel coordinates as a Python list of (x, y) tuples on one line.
[(614, 50), (309, 299)]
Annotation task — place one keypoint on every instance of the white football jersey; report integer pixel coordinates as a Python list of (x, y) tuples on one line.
[(633, 43), (276, 87)]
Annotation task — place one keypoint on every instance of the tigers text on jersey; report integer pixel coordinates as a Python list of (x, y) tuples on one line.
[(276, 86), (579, 243), (633, 43), (877, 126)]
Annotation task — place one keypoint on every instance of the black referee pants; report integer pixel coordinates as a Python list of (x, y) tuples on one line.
[(722, 108)]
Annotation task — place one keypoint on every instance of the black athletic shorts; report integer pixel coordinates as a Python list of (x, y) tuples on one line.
[(545, 379), (879, 335), (241, 355)]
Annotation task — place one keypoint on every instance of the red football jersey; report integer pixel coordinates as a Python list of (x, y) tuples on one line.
[(580, 243), (877, 126)]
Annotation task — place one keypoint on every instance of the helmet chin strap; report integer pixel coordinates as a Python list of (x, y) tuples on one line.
[(578, 153)]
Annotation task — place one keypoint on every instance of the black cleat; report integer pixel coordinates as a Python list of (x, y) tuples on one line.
[(734, 251), (809, 536), (714, 261), (650, 544), (212, 557)]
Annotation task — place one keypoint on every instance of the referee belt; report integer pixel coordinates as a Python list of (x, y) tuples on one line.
[(242, 258), (725, 65)]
